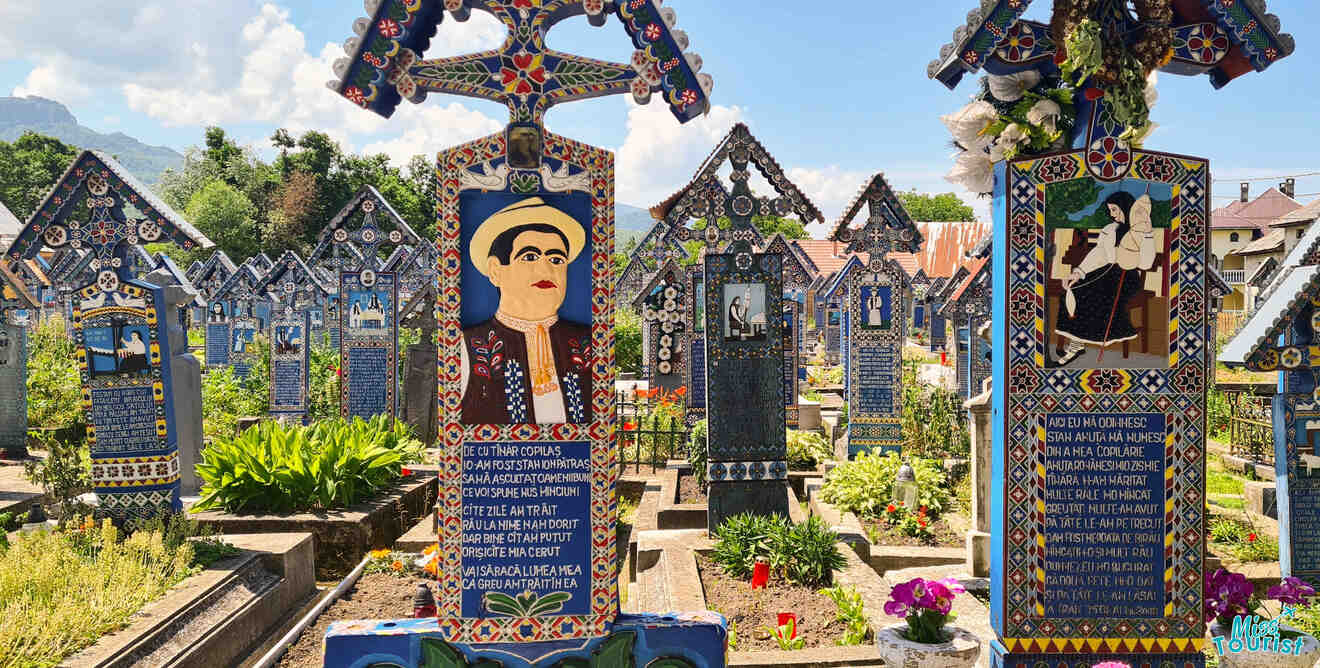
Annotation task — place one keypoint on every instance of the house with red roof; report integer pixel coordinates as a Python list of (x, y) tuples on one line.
[(1248, 232)]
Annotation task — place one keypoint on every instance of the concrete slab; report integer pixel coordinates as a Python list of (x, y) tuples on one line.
[(16, 493)]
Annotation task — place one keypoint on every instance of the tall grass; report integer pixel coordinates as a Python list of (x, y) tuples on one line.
[(59, 594)]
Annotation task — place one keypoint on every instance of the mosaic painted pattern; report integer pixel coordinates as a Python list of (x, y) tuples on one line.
[(870, 427), (1035, 390), (452, 171)]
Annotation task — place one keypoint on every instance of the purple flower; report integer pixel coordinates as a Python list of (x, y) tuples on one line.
[(953, 585), (896, 609), (905, 592), (918, 589), (1291, 590), (938, 598)]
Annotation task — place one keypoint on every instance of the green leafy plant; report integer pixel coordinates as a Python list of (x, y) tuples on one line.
[(8, 522), (805, 553), (865, 485), (627, 341), (526, 604), (806, 449), (696, 452), (63, 474), (332, 464), (786, 636), (933, 419), (1224, 530), (226, 398), (53, 386), (848, 602)]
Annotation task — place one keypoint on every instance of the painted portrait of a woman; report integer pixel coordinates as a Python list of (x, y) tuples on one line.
[(1097, 291)]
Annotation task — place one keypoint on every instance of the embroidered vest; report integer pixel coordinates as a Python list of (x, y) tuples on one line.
[(499, 380)]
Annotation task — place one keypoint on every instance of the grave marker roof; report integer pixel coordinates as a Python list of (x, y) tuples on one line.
[(1238, 36)]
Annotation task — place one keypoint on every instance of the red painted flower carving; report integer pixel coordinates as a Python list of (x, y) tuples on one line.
[(1207, 44), (354, 94), (389, 28), (527, 74), (1109, 157), (652, 32)]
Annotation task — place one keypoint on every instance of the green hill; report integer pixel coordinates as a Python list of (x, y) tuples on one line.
[(48, 117)]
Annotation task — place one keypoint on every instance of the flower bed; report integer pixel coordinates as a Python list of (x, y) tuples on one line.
[(753, 613)]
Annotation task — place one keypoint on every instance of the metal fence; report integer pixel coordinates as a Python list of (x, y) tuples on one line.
[(645, 435)]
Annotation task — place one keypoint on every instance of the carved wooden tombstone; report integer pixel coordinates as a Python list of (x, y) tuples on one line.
[(290, 361), (876, 317), (747, 465), (696, 348), (16, 306), (937, 326), (368, 301), (1100, 355), (298, 298), (120, 330), (234, 321), (527, 511), (968, 308), (663, 305), (798, 274), (1282, 336)]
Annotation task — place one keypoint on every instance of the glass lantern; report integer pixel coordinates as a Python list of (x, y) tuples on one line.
[(905, 486)]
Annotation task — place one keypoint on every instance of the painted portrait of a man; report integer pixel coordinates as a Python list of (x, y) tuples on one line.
[(526, 364)]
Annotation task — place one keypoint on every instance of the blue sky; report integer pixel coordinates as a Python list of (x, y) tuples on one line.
[(835, 92)]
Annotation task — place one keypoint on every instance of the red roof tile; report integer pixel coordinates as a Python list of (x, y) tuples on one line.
[(1258, 213), (973, 271)]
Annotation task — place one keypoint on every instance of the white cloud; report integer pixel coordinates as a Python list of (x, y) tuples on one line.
[(432, 128), (659, 155), (195, 63)]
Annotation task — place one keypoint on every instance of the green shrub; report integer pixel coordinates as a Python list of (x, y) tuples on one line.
[(806, 449), (627, 341), (1218, 411), (63, 475), (934, 421), (54, 389), (323, 399), (865, 485), (226, 398), (804, 553), (175, 529), (813, 555), (1227, 531), (332, 464), (696, 452)]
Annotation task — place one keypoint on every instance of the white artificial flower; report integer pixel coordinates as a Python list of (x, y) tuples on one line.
[(967, 124), (1011, 87), (1045, 113), (1012, 135), (1152, 95), (974, 171)]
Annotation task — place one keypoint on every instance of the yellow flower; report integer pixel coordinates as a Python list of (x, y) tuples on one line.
[(431, 549), (379, 554)]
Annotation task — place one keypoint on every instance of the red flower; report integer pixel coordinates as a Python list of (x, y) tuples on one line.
[(681, 391), (890, 508), (629, 426), (921, 523), (389, 28), (652, 32), (689, 96), (1251, 537)]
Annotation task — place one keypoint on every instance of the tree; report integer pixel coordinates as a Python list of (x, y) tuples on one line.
[(29, 167), (226, 216), (946, 207)]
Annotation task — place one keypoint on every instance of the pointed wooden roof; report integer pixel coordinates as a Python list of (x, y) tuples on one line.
[(367, 202), (1254, 345), (291, 269), (131, 201), (13, 292), (792, 199), (884, 209), (669, 267)]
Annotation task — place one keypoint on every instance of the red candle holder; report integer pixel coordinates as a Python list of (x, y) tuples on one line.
[(760, 573), (785, 618)]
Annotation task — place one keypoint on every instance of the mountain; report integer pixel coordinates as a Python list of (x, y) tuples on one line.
[(48, 117), (630, 222)]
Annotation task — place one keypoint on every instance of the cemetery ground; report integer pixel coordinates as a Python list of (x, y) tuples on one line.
[(830, 566)]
